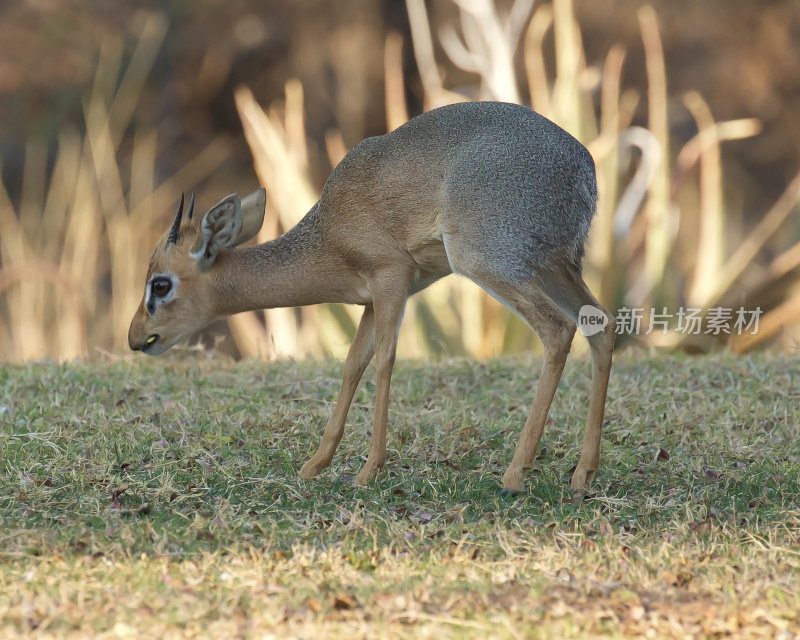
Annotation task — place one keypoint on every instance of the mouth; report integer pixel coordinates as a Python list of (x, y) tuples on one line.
[(150, 343)]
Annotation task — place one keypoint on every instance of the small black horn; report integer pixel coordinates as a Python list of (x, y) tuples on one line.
[(172, 238), (191, 206)]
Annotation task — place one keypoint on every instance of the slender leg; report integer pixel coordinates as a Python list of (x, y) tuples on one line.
[(570, 293), (389, 298), (556, 333), (551, 306), (358, 358), (602, 346)]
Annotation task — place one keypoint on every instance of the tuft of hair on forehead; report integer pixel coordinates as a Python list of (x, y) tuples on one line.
[(158, 250)]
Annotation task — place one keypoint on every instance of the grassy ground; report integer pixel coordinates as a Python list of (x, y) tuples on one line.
[(154, 498)]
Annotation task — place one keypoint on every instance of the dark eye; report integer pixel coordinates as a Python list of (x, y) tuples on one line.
[(160, 287)]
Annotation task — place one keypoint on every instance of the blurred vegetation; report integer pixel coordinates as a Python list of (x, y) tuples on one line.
[(111, 111)]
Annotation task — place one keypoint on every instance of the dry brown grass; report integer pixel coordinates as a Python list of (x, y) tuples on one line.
[(143, 500)]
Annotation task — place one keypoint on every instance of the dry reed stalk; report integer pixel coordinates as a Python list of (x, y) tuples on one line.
[(35, 298), (785, 262), (769, 325), (132, 82), (254, 340), (488, 46), (111, 194), (79, 256), (295, 126), (284, 173), (143, 163), (14, 250), (440, 313), (755, 240), (435, 93), (658, 237), (472, 320), (78, 231), (538, 87), (601, 246), (159, 205), (394, 84), (70, 334), (711, 233), (569, 66), (689, 154), (335, 147), (65, 290), (423, 52), (290, 196)]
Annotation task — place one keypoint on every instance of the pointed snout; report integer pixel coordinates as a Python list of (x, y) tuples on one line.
[(139, 339), (136, 335)]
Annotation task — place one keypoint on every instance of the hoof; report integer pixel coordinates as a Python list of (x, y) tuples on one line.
[(582, 479), (364, 477), (578, 497), (311, 469), (512, 482), (509, 493), (307, 472), (368, 471)]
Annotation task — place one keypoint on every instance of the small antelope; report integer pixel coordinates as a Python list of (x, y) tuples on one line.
[(491, 191)]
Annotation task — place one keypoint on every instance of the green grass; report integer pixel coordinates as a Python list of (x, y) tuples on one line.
[(160, 498)]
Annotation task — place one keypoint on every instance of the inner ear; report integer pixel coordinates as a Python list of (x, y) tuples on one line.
[(253, 205), (219, 229)]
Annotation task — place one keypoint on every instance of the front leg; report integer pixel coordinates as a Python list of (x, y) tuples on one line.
[(358, 358), (389, 299)]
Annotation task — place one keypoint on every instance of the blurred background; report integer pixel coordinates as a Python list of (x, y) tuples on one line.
[(110, 109)]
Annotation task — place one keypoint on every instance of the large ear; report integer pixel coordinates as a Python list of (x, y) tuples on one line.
[(219, 229), (229, 222), (253, 205)]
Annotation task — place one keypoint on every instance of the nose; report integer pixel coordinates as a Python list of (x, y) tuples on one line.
[(136, 330), (138, 340), (134, 341), (137, 344)]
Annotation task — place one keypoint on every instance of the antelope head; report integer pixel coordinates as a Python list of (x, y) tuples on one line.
[(179, 294)]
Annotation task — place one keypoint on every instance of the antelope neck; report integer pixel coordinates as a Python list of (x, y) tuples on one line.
[(289, 271)]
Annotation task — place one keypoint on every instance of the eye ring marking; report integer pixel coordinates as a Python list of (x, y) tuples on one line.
[(160, 289)]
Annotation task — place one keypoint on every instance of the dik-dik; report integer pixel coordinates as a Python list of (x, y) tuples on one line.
[(490, 191)]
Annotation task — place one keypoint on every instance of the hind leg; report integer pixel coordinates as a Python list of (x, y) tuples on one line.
[(564, 290), (556, 332), (568, 290)]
